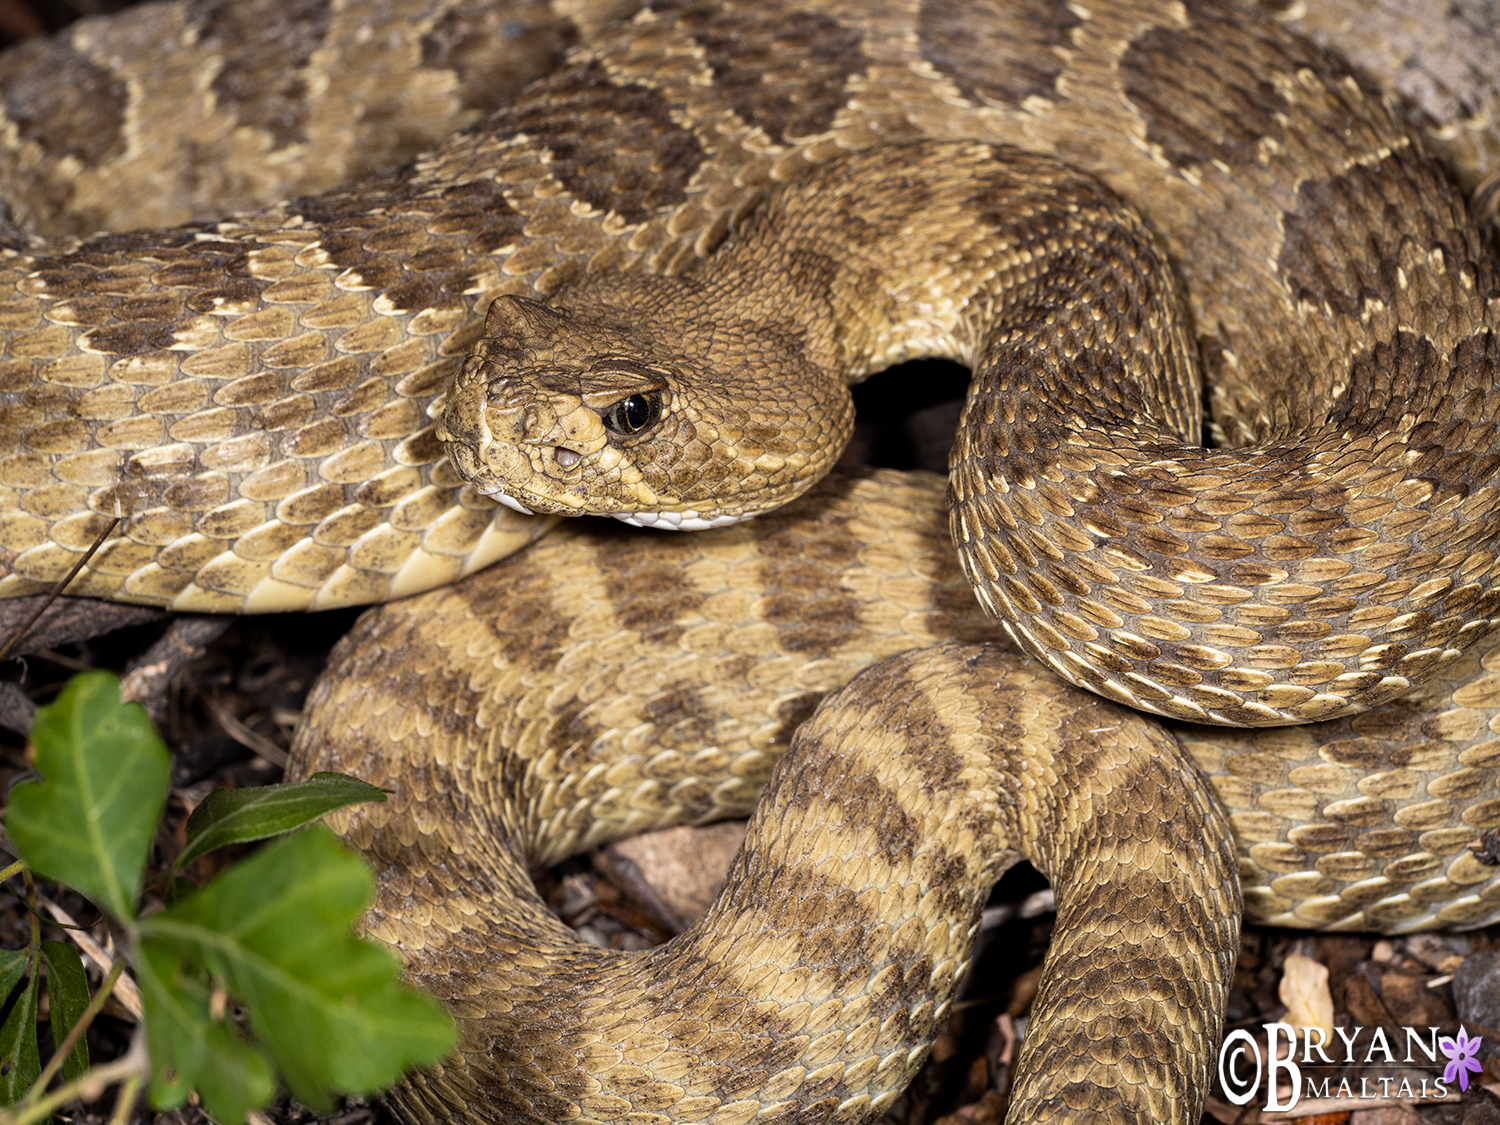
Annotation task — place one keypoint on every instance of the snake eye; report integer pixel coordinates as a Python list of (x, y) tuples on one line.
[(632, 415)]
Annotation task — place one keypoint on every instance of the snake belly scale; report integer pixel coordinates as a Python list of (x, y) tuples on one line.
[(258, 398)]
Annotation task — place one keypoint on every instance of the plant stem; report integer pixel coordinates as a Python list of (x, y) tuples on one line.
[(125, 1100), (14, 869), (130, 1066), (60, 1055), (36, 923), (61, 586), (125, 990)]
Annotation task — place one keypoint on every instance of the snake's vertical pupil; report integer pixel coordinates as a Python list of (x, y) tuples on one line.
[(632, 415)]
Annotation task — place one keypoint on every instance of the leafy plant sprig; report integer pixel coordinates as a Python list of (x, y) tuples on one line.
[(258, 977)]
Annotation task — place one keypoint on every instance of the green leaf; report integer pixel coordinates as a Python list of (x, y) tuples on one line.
[(20, 1061), (192, 1050), (90, 820), (275, 930), (233, 816), (12, 969), (67, 997)]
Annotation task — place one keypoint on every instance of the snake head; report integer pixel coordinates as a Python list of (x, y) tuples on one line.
[(594, 409)]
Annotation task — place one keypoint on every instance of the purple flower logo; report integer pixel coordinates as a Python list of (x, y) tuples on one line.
[(1461, 1060)]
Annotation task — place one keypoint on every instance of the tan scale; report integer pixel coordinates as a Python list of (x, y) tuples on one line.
[(260, 395), (1341, 554), (381, 287), (617, 682)]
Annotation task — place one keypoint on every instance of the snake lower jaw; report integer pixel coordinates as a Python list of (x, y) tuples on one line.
[(508, 501), (682, 521)]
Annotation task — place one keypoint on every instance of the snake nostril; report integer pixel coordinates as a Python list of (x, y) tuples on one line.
[(566, 458)]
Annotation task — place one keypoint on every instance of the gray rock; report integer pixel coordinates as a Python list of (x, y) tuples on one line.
[(1476, 995)]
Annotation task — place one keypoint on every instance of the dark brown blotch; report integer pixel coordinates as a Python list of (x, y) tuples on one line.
[(1342, 243), (63, 101), (528, 626), (785, 71), (682, 719), (998, 55), (241, 292), (261, 81), (119, 339), (1389, 379), (1202, 89), (568, 728), (496, 50), (413, 295), (612, 146), (791, 712), (650, 593)]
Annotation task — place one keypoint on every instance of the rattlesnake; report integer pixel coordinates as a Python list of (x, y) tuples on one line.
[(254, 395), (1340, 559)]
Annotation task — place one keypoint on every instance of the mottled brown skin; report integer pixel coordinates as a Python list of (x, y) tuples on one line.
[(254, 397), (1343, 555), (861, 263), (179, 111), (607, 681), (187, 110), (1437, 57)]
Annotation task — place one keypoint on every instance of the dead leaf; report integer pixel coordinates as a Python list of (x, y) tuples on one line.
[(1304, 991)]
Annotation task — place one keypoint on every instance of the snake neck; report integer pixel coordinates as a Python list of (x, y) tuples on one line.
[(722, 393)]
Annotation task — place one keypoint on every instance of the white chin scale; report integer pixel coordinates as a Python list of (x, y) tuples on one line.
[(679, 521), (510, 502), (670, 521)]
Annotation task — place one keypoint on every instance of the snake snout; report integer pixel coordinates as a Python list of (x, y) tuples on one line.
[(463, 419)]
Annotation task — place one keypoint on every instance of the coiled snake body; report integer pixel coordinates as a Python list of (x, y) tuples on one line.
[(256, 400)]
